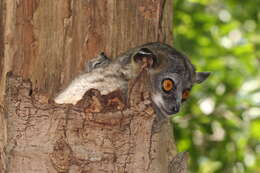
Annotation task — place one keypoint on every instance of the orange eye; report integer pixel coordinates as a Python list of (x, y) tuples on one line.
[(167, 85), (185, 94)]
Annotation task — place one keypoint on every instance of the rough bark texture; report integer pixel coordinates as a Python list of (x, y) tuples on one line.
[(99, 134), (48, 42)]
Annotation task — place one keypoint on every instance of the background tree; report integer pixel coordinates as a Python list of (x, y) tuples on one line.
[(222, 132)]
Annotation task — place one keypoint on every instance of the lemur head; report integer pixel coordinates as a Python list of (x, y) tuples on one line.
[(171, 73)]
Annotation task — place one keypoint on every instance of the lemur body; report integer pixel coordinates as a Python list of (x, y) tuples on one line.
[(171, 75)]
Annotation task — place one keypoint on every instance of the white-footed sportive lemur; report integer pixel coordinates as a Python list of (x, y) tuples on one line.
[(171, 76)]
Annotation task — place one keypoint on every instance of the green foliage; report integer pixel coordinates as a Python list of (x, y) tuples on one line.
[(220, 123)]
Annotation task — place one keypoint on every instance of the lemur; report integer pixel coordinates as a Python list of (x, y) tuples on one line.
[(171, 75)]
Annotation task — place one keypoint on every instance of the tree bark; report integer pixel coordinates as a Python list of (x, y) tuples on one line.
[(45, 44)]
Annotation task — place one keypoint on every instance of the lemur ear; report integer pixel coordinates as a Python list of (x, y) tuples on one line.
[(201, 76), (145, 56)]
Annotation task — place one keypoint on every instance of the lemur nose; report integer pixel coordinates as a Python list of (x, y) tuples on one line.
[(176, 108)]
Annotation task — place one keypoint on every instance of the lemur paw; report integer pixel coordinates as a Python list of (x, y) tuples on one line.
[(100, 61)]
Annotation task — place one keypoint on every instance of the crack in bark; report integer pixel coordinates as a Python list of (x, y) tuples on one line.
[(149, 152), (160, 19), (129, 143)]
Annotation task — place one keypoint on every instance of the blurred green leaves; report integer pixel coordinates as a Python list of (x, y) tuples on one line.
[(220, 124)]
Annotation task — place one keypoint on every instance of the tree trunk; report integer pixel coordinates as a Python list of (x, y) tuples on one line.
[(48, 43)]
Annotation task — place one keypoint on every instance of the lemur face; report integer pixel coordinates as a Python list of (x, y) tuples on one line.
[(168, 92), (172, 77)]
